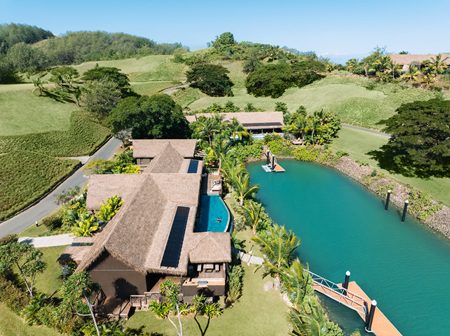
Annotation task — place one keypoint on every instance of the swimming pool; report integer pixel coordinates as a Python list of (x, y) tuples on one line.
[(214, 215)]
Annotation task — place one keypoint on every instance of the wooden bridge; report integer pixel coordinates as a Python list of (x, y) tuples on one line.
[(355, 298)]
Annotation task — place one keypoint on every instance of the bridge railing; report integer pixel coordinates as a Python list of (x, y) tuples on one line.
[(345, 296)]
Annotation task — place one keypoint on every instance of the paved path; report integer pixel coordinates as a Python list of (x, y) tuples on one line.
[(48, 204), (250, 259), (49, 241), (367, 130)]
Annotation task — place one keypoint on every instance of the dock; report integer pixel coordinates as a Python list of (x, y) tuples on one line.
[(356, 299), (272, 166)]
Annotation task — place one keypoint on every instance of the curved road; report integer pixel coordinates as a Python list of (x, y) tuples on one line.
[(48, 204)]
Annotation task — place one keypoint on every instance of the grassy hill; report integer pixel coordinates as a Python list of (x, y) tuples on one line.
[(356, 100)]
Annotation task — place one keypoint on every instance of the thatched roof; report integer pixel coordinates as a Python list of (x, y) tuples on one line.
[(169, 161), (416, 58), (138, 234), (153, 147), (102, 187), (211, 247), (249, 120)]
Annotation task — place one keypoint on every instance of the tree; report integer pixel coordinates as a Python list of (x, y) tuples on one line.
[(251, 64), (278, 246), (420, 139), (67, 83), (270, 80), (109, 74), (23, 257), (281, 107), (295, 283), (224, 40), (211, 79), (171, 303), (101, 96), (210, 310), (205, 128), (438, 64), (255, 216), (13, 33), (25, 58), (242, 187), (155, 117), (235, 276), (7, 72)]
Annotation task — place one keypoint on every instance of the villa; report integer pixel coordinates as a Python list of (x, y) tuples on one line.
[(157, 234), (257, 122), (415, 59)]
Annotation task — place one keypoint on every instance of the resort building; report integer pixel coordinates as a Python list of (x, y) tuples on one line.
[(257, 122), (405, 60), (164, 230)]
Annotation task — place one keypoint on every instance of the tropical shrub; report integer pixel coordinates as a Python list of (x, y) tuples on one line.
[(85, 226), (12, 296), (109, 208), (235, 277)]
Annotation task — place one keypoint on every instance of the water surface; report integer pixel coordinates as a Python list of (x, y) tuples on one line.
[(342, 226)]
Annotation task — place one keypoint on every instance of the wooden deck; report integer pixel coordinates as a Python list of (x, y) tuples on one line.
[(381, 325), (278, 168)]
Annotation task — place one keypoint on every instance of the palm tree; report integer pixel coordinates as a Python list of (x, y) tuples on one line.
[(229, 169), (413, 74), (242, 187), (278, 246), (438, 65), (255, 216), (210, 310), (295, 283)]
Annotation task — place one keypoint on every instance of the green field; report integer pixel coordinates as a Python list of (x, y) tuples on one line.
[(264, 313), (357, 143), (25, 176), (21, 112), (143, 69)]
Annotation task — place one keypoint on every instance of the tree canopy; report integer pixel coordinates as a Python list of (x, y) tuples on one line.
[(153, 117), (211, 79), (274, 79), (420, 139), (13, 33), (110, 74)]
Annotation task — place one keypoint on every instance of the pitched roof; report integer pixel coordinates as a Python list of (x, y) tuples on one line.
[(168, 161), (211, 247), (150, 148), (249, 120), (138, 234), (416, 58)]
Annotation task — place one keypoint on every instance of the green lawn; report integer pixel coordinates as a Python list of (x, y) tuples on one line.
[(257, 313), (12, 325), (21, 112), (152, 87), (48, 282), (358, 143)]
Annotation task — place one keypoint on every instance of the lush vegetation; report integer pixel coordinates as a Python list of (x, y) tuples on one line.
[(25, 176), (318, 128), (152, 117), (211, 79), (419, 143), (274, 79), (11, 34), (122, 163), (380, 66)]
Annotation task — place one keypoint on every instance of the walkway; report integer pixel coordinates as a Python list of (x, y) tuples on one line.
[(48, 204), (356, 299), (48, 241), (250, 259)]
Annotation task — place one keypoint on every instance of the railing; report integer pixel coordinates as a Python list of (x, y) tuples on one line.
[(344, 296), (143, 300)]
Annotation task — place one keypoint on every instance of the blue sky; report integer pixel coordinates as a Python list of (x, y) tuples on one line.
[(339, 27)]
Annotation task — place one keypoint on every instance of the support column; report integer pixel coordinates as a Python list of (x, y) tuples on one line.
[(346, 282), (405, 210), (273, 161), (371, 315), (388, 198), (268, 156)]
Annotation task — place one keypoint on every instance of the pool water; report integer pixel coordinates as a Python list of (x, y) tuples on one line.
[(342, 226), (214, 214)]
